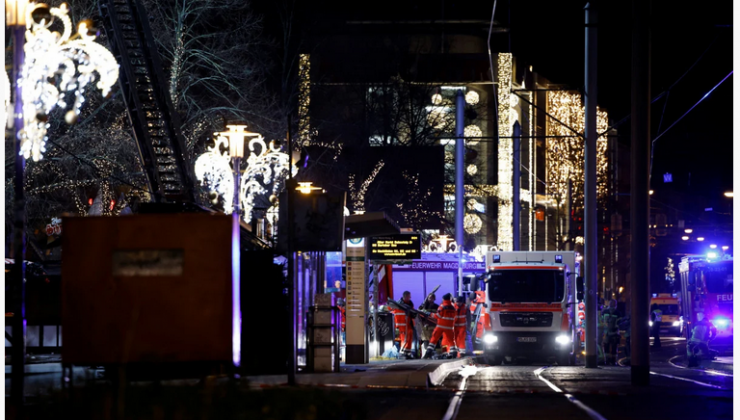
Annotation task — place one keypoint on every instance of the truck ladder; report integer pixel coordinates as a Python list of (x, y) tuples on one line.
[(155, 122)]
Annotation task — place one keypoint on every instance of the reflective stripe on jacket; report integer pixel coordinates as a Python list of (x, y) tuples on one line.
[(399, 316), (461, 316)]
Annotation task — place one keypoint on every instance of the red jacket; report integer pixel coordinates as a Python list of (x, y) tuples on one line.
[(445, 315)]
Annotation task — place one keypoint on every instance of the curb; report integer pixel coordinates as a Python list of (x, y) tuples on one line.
[(438, 375)]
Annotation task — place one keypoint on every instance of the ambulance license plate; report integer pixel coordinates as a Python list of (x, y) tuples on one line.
[(526, 339)]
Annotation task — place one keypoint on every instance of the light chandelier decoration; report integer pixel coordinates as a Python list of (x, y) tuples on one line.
[(472, 223), (266, 168), (565, 154), (55, 65), (505, 154)]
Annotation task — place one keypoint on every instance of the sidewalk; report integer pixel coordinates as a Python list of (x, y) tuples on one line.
[(376, 374)]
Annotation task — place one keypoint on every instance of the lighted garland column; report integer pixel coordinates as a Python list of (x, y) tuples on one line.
[(505, 154)]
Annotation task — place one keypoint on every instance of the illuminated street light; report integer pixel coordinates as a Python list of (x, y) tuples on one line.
[(685, 238), (57, 64), (729, 194), (700, 239), (713, 246), (725, 248), (688, 230), (265, 163), (651, 192), (306, 188)]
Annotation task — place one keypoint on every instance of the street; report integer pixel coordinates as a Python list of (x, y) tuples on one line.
[(505, 392)]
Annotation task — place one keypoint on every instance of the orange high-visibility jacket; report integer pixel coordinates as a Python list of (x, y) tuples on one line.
[(399, 316), (445, 315)]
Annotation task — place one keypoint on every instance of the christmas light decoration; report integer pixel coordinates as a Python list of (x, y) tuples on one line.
[(565, 154), (472, 131), (267, 167), (472, 97), (49, 73), (436, 99), (505, 153), (472, 169), (472, 223), (304, 98), (415, 211), (358, 194)]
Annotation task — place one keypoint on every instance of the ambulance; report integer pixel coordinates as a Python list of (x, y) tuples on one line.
[(671, 320), (531, 299)]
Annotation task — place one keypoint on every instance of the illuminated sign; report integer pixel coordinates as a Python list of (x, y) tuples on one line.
[(396, 247)]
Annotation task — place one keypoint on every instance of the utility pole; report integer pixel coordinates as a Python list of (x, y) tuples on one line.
[(290, 185), (17, 22), (639, 198), (459, 183), (516, 204), (590, 236)]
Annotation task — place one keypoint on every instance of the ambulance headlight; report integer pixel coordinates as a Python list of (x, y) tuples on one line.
[(562, 340), (676, 323), (490, 338)]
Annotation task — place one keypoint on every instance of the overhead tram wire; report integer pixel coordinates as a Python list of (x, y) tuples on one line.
[(665, 92)]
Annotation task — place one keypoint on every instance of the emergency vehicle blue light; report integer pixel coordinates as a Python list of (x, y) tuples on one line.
[(655, 295), (496, 258), (558, 258)]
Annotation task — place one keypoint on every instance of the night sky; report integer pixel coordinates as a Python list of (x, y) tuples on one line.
[(692, 42)]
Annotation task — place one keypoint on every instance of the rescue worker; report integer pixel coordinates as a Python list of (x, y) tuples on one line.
[(610, 319), (430, 307), (461, 324), (445, 329), (701, 334), (484, 320), (404, 326), (656, 316)]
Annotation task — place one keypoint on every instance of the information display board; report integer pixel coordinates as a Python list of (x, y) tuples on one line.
[(395, 247)]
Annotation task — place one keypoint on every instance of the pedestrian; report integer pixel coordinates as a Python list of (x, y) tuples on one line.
[(611, 316), (625, 324), (461, 324), (429, 306), (445, 329), (701, 334), (405, 326), (656, 317)]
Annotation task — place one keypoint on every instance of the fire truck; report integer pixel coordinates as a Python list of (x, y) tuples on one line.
[(531, 299), (706, 287)]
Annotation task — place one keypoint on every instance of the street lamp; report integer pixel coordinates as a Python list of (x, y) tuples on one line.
[(265, 163), (685, 238), (713, 246), (729, 194), (700, 239), (688, 230), (46, 66)]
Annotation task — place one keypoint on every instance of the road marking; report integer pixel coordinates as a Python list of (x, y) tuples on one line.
[(690, 380), (712, 371), (590, 411), (456, 400)]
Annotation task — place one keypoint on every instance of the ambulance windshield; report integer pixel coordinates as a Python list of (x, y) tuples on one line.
[(526, 285)]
